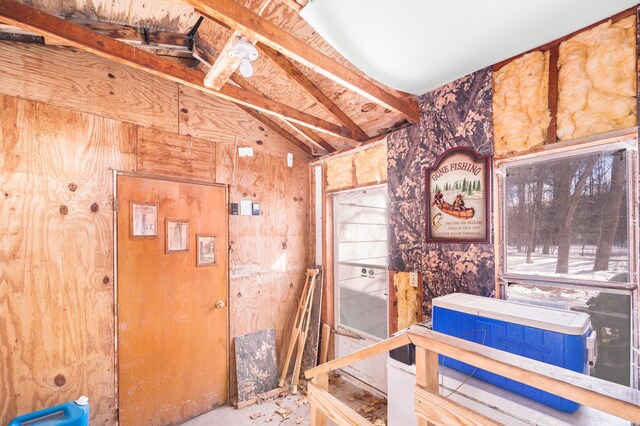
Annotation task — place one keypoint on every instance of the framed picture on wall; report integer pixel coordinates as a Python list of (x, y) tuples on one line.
[(206, 249), (144, 220), (457, 197), (177, 235)]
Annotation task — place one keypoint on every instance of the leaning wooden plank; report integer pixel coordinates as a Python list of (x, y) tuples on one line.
[(256, 365), (442, 411), (336, 410), (609, 397), (324, 345), (237, 17), (31, 19), (310, 354)]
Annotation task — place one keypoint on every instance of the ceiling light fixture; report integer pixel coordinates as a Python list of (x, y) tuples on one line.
[(246, 52)]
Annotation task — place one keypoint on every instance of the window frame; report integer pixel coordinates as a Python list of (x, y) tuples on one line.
[(629, 142), (630, 145)]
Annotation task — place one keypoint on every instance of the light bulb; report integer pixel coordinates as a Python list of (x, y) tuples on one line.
[(246, 69)]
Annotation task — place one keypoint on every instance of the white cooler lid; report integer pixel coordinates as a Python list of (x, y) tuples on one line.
[(559, 320)]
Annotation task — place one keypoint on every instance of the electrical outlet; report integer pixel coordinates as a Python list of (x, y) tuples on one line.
[(413, 279)]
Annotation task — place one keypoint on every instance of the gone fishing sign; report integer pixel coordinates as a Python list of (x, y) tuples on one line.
[(457, 198)]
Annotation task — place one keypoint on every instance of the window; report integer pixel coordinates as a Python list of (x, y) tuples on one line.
[(567, 218), (567, 241)]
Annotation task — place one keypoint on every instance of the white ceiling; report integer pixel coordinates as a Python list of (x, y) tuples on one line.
[(419, 45)]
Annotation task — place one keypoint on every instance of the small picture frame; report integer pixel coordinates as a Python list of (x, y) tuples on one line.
[(206, 250), (255, 209), (177, 235), (144, 219)]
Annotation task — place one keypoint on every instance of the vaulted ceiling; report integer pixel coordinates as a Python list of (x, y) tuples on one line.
[(301, 88)]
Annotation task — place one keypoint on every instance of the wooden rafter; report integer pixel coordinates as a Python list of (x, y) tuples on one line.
[(30, 19), (307, 134), (237, 17), (311, 136), (293, 4), (270, 123), (225, 64), (159, 42), (307, 85)]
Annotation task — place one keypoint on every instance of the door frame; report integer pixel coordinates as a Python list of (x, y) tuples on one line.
[(115, 210), (344, 331)]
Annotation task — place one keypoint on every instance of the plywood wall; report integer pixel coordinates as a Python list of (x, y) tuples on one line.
[(56, 280), (56, 251), (268, 253)]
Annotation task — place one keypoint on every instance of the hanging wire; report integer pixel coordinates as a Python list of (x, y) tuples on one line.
[(484, 338)]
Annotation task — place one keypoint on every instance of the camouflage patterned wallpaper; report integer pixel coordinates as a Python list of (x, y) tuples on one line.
[(457, 114)]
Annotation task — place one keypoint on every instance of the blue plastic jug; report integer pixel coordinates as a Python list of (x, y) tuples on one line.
[(68, 414)]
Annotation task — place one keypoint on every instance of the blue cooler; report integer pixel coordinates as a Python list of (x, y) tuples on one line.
[(68, 414), (554, 336)]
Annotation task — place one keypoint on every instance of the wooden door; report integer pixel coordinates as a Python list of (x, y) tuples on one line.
[(172, 314)]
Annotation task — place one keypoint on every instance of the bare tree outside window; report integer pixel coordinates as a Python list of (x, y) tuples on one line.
[(567, 218)]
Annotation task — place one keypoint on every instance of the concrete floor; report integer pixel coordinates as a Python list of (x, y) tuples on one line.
[(287, 409)]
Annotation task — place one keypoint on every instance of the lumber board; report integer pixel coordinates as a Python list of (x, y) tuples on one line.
[(375, 349), (442, 411), (225, 65), (333, 408), (609, 397), (427, 369), (240, 18), (167, 154), (159, 15), (298, 77), (84, 39), (310, 354), (241, 82), (318, 418), (552, 130), (311, 136)]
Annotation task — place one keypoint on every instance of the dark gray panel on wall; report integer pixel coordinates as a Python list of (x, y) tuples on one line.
[(457, 114)]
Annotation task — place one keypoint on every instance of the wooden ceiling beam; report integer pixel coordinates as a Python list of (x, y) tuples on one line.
[(293, 4), (158, 42), (308, 134), (307, 85), (225, 64), (31, 19), (270, 123), (311, 136), (237, 17)]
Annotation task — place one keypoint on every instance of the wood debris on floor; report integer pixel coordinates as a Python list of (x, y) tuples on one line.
[(370, 406), (285, 409)]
